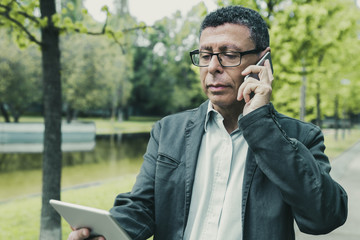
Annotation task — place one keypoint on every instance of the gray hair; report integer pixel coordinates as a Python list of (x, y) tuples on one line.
[(259, 33)]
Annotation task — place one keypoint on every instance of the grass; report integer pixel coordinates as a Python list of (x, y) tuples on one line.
[(334, 147), (20, 219), (20, 216), (30, 180), (108, 127), (94, 185)]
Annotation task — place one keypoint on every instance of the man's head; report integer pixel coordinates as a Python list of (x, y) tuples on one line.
[(243, 16), (231, 39)]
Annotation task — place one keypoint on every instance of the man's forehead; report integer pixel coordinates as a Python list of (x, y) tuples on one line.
[(224, 47), (226, 37)]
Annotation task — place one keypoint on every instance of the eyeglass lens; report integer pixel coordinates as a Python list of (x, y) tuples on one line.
[(225, 58)]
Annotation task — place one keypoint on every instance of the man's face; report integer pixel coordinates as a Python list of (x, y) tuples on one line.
[(221, 84)]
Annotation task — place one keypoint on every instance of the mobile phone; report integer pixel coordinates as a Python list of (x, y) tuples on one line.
[(261, 63)]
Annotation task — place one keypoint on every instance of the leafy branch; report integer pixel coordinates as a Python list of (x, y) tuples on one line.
[(14, 8), (8, 12)]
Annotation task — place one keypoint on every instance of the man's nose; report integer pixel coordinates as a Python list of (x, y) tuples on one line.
[(214, 65)]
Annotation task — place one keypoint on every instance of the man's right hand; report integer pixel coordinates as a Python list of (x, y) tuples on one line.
[(82, 234)]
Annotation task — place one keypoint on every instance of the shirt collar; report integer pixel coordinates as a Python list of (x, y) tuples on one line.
[(211, 112)]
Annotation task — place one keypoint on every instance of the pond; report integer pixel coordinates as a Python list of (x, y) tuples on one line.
[(111, 157), (108, 148)]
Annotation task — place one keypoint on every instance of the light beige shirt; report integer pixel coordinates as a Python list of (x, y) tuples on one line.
[(215, 208)]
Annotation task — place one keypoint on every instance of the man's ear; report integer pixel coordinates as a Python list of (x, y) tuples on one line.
[(262, 53)]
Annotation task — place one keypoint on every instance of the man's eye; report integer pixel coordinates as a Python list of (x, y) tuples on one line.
[(205, 56), (230, 55)]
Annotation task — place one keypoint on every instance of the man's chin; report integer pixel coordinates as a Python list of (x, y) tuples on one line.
[(226, 103)]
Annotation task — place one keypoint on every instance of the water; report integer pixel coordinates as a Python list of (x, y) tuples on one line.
[(113, 156), (108, 148)]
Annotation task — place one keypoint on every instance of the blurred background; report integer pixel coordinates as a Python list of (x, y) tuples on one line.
[(124, 64)]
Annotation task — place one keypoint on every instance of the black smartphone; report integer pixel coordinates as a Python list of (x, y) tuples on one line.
[(261, 63)]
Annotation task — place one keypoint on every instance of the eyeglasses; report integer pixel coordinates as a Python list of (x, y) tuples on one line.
[(226, 59)]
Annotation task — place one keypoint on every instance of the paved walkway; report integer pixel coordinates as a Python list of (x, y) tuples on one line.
[(346, 171)]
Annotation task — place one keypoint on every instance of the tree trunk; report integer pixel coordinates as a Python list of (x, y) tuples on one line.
[(318, 106), (69, 114), (4, 112), (50, 220), (336, 116), (303, 92)]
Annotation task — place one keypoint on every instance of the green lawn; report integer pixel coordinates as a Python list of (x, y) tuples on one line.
[(344, 141), (20, 219), (15, 185), (108, 127)]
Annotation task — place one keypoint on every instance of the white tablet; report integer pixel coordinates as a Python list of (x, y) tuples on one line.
[(100, 222)]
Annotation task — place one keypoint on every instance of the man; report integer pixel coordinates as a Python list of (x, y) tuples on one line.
[(233, 168)]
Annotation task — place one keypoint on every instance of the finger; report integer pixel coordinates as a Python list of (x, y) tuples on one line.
[(269, 71), (240, 95), (249, 88), (251, 69), (79, 234), (98, 238), (264, 73)]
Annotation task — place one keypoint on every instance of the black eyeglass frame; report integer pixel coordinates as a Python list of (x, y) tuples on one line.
[(197, 51)]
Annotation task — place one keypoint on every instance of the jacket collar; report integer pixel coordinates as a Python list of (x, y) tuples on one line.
[(193, 136)]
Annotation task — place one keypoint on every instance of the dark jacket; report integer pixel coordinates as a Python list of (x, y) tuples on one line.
[(286, 178)]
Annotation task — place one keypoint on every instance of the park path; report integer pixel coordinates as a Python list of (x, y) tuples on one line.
[(346, 171)]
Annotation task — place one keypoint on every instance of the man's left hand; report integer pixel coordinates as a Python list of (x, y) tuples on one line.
[(261, 88)]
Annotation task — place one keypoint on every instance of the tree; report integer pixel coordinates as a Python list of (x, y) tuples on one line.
[(20, 16), (87, 64), (96, 71), (308, 41), (52, 154), (119, 78), (20, 78), (164, 80), (310, 47)]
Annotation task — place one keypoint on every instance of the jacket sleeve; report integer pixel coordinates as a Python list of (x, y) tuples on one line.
[(292, 157), (135, 210)]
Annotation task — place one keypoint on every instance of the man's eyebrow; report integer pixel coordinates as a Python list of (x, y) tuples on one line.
[(229, 47), (222, 48), (207, 48)]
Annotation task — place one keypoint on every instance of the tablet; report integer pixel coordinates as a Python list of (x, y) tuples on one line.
[(100, 222)]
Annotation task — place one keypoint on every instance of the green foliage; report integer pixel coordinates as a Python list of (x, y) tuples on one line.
[(20, 82), (93, 78), (148, 70), (164, 80), (314, 41), (312, 38), (20, 19), (93, 71)]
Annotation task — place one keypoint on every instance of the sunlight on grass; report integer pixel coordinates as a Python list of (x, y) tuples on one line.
[(108, 127), (30, 181), (344, 141), (20, 219)]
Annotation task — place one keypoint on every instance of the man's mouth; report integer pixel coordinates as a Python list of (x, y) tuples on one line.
[(217, 87)]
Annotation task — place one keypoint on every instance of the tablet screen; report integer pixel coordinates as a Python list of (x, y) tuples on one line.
[(100, 222)]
